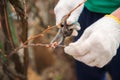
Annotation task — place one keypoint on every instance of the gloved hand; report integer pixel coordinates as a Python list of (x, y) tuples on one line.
[(98, 44), (64, 7)]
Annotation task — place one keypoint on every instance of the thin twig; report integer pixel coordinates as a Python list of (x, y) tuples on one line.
[(39, 35), (33, 45), (76, 7)]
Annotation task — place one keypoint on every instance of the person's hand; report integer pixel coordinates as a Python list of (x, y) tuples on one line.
[(65, 6), (98, 44)]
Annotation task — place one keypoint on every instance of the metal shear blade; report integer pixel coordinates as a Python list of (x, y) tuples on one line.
[(63, 32)]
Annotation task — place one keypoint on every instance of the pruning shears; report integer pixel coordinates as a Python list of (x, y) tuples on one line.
[(64, 30)]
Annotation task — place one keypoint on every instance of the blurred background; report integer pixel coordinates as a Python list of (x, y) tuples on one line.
[(20, 20)]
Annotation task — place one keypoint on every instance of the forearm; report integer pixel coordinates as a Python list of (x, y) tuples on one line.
[(116, 13)]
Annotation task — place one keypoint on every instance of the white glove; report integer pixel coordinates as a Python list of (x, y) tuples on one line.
[(98, 44), (63, 7)]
